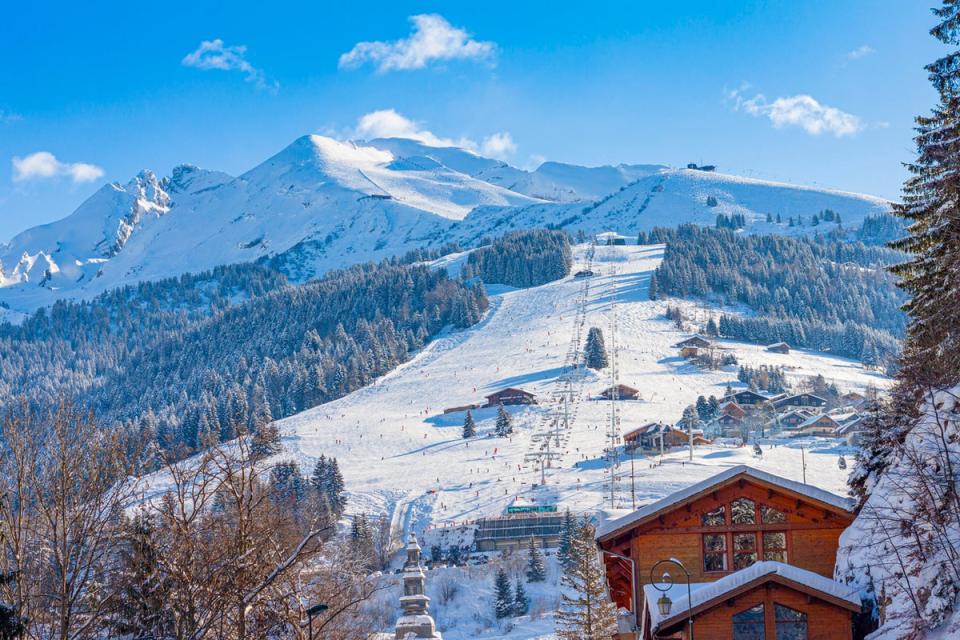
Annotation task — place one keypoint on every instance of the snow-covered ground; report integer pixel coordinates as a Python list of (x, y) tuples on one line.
[(401, 455)]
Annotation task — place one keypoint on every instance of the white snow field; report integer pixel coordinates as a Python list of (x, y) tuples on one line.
[(402, 456)]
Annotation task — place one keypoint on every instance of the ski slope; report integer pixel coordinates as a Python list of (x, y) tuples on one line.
[(401, 454)]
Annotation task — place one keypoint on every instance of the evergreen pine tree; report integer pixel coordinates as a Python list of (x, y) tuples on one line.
[(336, 489), (567, 528), (711, 328), (931, 204), (536, 572), (654, 288), (521, 604), (141, 589), (585, 613), (503, 598), (265, 441), (469, 426), (504, 425), (595, 352), (12, 624)]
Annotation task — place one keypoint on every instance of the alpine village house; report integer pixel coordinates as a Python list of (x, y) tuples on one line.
[(760, 552)]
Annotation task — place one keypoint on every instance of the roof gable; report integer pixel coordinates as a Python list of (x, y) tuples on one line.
[(818, 497), (706, 596)]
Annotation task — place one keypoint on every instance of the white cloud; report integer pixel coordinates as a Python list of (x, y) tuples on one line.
[(498, 145), (388, 123), (861, 52), (9, 116), (799, 111), (214, 55), (432, 39), (44, 164)]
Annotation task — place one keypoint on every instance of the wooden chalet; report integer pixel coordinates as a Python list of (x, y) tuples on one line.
[(510, 396), (779, 347), (648, 437), (728, 422), (800, 401), (791, 419), (765, 546), (732, 409), (623, 392), (821, 425), (852, 430), (853, 398), (693, 341), (747, 399)]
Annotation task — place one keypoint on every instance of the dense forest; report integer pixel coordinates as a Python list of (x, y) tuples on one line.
[(202, 356), (523, 258), (810, 292)]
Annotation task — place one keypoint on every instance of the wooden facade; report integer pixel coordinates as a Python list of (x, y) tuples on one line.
[(624, 392), (765, 604), (800, 401), (743, 518), (510, 396), (747, 399)]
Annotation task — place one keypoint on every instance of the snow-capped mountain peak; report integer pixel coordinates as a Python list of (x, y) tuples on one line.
[(321, 203)]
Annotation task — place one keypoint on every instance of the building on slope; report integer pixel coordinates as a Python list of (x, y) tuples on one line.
[(620, 392), (721, 527), (510, 396), (779, 347)]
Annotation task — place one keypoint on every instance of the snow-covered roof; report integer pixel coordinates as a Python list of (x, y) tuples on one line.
[(702, 593), (777, 344), (678, 497), (813, 419)]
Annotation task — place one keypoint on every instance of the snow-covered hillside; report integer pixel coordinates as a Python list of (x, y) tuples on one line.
[(321, 204), (401, 455), (676, 196)]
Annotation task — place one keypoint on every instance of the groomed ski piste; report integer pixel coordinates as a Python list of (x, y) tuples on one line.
[(403, 457)]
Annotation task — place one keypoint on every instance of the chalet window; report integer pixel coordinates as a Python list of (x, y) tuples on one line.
[(743, 511), (791, 624), (775, 546), (744, 550), (769, 515), (715, 518), (749, 625), (714, 552)]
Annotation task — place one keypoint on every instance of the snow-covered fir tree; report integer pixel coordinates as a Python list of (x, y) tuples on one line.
[(469, 426), (536, 571), (585, 613), (504, 426), (503, 595), (595, 351), (140, 586), (521, 603), (931, 205), (265, 441), (565, 545)]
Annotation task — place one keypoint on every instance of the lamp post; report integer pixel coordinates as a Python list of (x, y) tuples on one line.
[(633, 581), (315, 610), (666, 581)]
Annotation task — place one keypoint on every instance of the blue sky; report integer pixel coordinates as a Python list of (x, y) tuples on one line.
[(812, 92)]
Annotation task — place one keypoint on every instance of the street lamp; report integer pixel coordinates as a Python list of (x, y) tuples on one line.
[(315, 610), (633, 581), (664, 603)]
